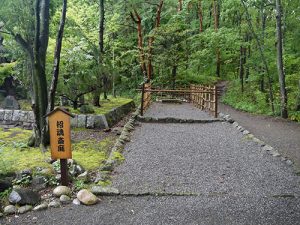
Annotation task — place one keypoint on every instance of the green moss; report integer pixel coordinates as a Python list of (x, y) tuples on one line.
[(15, 155), (118, 157), (106, 105), (104, 183)]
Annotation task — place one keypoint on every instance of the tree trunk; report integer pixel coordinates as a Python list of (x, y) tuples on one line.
[(179, 9), (57, 52), (271, 96), (241, 70), (96, 98), (138, 20), (151, 39), (298, 99), (281, 74), (200, 15), (174, 73), (216, 25), (40, 82)]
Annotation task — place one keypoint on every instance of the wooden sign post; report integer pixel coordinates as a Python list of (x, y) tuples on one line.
[(60, 140)]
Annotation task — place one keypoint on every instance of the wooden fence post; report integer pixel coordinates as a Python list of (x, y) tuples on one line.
[(216, 101), (142, 100)]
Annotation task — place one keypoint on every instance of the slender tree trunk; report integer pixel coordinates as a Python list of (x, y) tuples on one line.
[(216, 25), (174, 73), (57, 52), (200, 15), (179, 9), (271, 96), (241, 70), (298, 99), (96, 98), (138, 20), (281, 74), (151, 39)]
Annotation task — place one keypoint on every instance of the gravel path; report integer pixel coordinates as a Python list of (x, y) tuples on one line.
[(194, 174), (178, 111), (282, 134)]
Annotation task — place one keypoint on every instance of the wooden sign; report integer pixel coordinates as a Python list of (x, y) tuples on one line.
[(60, 134)]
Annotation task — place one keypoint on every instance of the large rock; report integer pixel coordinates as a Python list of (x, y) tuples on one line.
[(86, 197), (61, 190), (10, 103), (24, 197)]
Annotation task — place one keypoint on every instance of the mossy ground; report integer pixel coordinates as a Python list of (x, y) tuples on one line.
[(106, 105), (15, 155)]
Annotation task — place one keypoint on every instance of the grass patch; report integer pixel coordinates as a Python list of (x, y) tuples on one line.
[(15, 155)]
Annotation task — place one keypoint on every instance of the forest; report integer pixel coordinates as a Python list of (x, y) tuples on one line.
[(80, 50)]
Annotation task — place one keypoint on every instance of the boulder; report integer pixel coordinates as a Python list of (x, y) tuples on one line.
[(61, 190), (24, 196), (86, 197), (10, 102)]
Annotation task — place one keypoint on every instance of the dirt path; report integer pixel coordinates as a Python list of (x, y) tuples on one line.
[(283, 135)]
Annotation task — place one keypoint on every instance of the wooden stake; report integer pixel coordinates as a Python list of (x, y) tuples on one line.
[(64, 172)]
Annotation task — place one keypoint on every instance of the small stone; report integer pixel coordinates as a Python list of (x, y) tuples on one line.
[(1, 215), (24, 209), (245, 132), (46, 171), (76, 201), (54, 204), (10, 209), (240, 128), (64, 199), (83, 176), (61, 190), (289, 162), (267, 148), (276, 154), (86, 197), (235, 124), (98, 190), (41, 207)]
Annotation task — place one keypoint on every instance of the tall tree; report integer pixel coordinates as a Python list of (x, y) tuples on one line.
[(281, 74)]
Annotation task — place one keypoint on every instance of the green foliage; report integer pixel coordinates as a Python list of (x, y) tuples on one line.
[(79, 185)]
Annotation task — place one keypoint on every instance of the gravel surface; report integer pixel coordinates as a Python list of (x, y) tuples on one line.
[(218, 177), (201, 159), (179, 111), (284, 135)]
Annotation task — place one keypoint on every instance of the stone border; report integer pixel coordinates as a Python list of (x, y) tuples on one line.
[(26, 118), (264, 147)]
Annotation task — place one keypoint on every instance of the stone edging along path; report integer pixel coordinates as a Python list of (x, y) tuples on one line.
[(26, 118), (264, 147)]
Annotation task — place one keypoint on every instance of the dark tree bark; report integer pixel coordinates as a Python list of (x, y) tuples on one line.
[(57, 52), (174, 73), (97, 92), (281, 74)]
